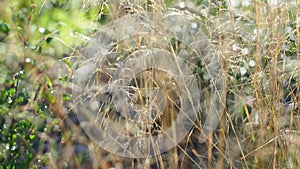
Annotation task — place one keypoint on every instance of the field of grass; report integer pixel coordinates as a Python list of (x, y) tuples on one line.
[(209, 84)]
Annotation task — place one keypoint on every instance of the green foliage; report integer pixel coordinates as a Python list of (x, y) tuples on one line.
[(4, 28), (17, 134)]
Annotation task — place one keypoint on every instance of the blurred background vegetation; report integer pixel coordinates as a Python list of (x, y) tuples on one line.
[(260, 43)]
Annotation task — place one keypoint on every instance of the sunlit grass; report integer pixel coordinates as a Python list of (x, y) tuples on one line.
[(41, 42)]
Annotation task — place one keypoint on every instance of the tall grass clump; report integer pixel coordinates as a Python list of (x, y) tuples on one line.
[(59, 59)]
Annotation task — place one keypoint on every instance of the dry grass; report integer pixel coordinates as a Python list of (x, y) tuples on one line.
[(258, 129), (259, 51)]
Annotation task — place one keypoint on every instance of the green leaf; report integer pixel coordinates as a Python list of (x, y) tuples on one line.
[(51, 98), (48, 82), (4, 28), (66, 97), (12, 91), (3, 96), (32, 136), (49, 39), (68, 62)]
